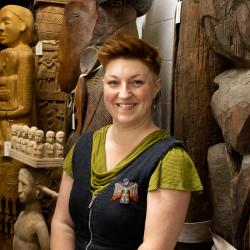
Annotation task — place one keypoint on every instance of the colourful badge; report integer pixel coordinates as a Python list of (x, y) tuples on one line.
[(125, 190)]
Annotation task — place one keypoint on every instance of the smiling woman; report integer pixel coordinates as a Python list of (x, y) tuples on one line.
[(129, 178), (129, 90)]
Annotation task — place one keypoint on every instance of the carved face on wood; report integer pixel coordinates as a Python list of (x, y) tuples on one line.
[(11, 28), (26, 186), (39, 135), (50, 137)]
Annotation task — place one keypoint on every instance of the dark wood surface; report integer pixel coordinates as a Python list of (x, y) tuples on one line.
[(25, 3), (195, 67)]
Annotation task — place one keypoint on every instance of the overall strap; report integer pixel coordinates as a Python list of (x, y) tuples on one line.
[(151, 156), (81, 159)]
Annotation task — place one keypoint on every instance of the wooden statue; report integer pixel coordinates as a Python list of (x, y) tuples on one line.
[(16, 81), (227, 26), (51, 102), (38, 147), (13, 135), (59, 145), (49, 145), (30, 229), (31, 142), (24, 142)]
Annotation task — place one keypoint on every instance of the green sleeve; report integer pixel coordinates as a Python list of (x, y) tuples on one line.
[(67, 164), (176, 171)]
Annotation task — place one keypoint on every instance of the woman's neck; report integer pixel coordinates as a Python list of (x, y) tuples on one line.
[(128, 135)]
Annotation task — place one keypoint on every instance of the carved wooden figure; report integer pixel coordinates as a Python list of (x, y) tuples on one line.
[(31, 142), (16, 81), (30, 229), (38, 147), (24, 142), (59, 145), (19, 138), (51, 102), (227, 28), (49, 145), (13, 135)]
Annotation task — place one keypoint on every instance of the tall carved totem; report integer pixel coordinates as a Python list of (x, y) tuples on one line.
[(16, 104), (51, 102), (227, 26)]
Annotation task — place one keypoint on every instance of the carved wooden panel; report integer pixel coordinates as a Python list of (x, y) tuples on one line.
[(49, 18), (51, 102)]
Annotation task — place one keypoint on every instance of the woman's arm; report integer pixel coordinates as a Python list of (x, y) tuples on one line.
[(166, 212), (62, 227)]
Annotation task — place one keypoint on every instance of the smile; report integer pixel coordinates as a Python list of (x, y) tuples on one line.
[(126, 106)]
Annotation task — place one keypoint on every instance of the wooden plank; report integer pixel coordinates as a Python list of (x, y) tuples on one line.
[(35, 162)]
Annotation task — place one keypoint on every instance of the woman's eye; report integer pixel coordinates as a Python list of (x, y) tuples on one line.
[(112, 83), (137, 82)]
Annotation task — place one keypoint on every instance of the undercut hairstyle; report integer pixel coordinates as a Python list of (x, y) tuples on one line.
[(129, 47)]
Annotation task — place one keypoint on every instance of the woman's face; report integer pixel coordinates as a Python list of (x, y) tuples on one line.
[(10, 28), (129, 89)]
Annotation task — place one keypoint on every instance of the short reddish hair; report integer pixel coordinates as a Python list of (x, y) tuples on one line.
[(125, 46)]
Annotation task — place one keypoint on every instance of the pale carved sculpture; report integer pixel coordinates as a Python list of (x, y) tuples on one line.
[(24, 142), (16, 81), (38, 145), (19, 138), (31, 142), (13, 135), (30, 229), (59, 148), (49, 145)]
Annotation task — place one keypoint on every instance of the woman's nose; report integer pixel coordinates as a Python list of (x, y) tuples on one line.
[(124, 91)]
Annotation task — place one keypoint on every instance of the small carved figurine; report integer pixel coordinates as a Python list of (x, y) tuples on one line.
[(31, 142), (25, 139), (38, 145), (49, 146), (13, 135), (59, 144), (19, 138)]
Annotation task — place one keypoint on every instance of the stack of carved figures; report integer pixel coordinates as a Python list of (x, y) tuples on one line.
[(29, 142), (227, 25)]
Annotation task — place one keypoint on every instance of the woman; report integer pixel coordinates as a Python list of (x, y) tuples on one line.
[(125, 186)]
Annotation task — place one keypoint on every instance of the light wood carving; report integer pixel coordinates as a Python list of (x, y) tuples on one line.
[(49, 146), (30, 229), (16, 82)]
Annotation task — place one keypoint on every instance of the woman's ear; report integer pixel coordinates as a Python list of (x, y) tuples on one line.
[(157, 86)]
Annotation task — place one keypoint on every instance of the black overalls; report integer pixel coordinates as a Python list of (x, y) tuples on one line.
[(100, 222)]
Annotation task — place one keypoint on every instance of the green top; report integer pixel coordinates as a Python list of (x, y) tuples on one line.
[(175, 171)]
